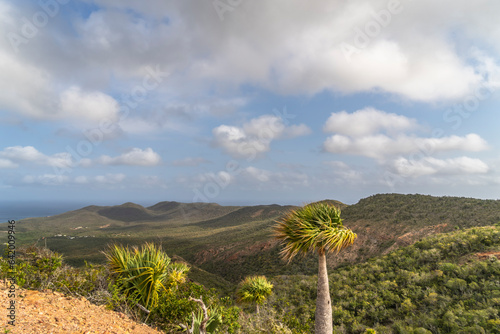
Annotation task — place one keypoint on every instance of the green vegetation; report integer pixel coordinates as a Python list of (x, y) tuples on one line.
[(205, 235), (420, 264), (206, 321), (443, 284), (233, 242), (40, 268), (143, 273), (317, 228), (447, 283), (255, 290), (176, 310), (43, 269), (424, 210)]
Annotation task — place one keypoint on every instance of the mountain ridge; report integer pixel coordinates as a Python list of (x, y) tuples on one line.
[(232, 241)]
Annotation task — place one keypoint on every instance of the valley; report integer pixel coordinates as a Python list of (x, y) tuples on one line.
[(226, 243)]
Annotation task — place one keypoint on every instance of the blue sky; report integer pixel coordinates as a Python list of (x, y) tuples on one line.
[(248, 102)]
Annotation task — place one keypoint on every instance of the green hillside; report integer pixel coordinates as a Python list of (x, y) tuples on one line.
[(198, 232), (448, 283), (234, 241), (420, 265)]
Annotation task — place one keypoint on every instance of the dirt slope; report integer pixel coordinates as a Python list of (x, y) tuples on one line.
[(51, 312)]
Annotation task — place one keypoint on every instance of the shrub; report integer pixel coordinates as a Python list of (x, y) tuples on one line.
[(175, 308), (142, 273), (254, 289)]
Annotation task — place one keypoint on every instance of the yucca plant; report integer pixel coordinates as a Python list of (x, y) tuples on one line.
[(212, 324), (317, 228), (205, 322), (177, 274), (254, 289), (143, 273)]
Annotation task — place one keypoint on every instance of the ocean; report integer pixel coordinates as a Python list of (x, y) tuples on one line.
[(21, 210)]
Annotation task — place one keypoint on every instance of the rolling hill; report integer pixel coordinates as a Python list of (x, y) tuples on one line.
[(234, 241)]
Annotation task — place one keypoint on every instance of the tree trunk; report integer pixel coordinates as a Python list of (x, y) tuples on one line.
[(323, 323)]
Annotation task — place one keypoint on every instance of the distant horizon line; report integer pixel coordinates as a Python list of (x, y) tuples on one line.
[(24, 209), (150, 202)]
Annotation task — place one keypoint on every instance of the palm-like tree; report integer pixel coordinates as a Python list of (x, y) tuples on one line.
[(317, 228), (254, 289)]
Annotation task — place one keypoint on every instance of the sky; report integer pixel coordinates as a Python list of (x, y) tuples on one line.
[(248, 102)]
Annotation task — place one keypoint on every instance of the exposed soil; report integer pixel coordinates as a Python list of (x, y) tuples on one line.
[(51, 312), (253, 249), (228, 254), (410, 238), (484, 256)]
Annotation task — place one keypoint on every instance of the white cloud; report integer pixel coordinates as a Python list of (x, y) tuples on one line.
[(396, 68), (260, 175), (134, 157), (366, 122), (138, 126), (209, 183), (25, 88), (175, 115), (293, 52), (254, 138), (4, 163), (237, 144), (58, 180), (80, 68), (471, 142), (431, 166), (261, 178), (29, 90), (93, 106), (46, 179), (342, 173), (20, 154), (378, 135), (259, 43), (29, 85), (222, 178), (380, 146)]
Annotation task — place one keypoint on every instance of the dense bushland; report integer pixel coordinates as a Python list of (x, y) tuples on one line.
[(234, 242), (447, 283)]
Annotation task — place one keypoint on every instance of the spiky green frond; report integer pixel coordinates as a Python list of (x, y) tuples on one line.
[(313, 228), (214, 321), (254, 289), (144, 272)]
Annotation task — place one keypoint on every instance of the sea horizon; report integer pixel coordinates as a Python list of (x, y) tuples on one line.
[(18, 210)]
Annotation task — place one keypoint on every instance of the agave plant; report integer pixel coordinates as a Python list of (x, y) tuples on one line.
[(143, 273), (315, 228), (177, 274), (254, 289), (205, 322)]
